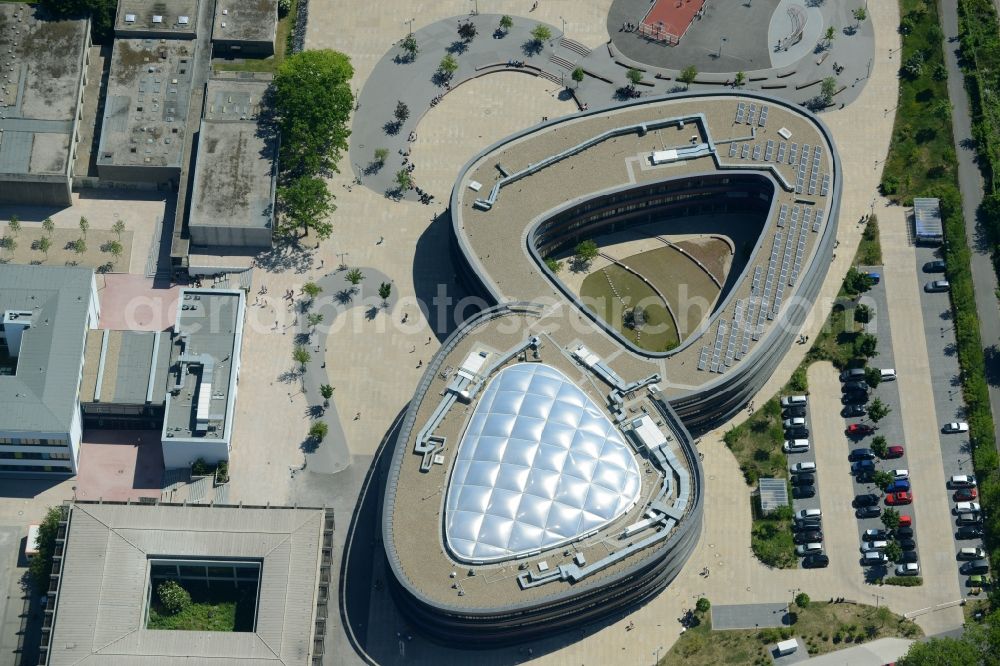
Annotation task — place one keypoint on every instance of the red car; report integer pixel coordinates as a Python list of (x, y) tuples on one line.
[(965, 494), (906, 521), (896, 499), (859, 430), (894, 452)]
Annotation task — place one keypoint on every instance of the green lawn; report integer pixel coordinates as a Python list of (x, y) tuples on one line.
[(823, 626), (771, 539), (756, 444), (659, 333), (870, 248), (218, 608)]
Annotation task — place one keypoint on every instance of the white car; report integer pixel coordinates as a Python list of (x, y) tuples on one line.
[(908, 569), (807, 548), (809, 514), (874, 546), (802, 467), (958, 426), (796, 445), (900, 473), (962, 481), (793, 400), (874, 558), (967, 507), (794, 422)]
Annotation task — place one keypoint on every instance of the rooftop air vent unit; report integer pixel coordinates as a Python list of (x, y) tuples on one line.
[(223, 24), (225, 12), (183, 20), (157, 19), (130, 18)]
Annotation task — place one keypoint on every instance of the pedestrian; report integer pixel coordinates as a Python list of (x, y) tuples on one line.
[(357, 416), (420, 363), (428, 340)]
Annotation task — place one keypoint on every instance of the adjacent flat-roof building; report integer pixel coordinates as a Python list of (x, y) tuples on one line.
[(232, 200), (46, 314), (203, 373), (145, 113), (157, 19), (244, 28), (114, 556), (44, 65)]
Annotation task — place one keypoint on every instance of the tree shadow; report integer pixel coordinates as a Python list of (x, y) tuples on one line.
[(287, 254), (950, 349), (458, 47), (314, 411), (440, 78), (945, 316), (391, 127), (371, 313), (289, 376), (309, 445), (532, 47), (992, 354)]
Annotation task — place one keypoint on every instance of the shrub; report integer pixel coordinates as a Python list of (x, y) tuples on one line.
[(173, 597), (703, 605), (802, 600), (904, 581)]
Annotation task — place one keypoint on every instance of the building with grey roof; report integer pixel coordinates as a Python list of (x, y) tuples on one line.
[(114, 555), (203, 372), (46, 312), (44, 65), (145, 113), (232, 199), (157, 19), (244, 28)]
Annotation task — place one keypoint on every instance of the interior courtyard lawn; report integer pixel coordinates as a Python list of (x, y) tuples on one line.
[(823, 626), (658, 334), (220, 607)]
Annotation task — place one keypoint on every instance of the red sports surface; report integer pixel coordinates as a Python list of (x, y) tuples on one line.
[(669, 19)]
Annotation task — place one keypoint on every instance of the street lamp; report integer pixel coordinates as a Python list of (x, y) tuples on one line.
[(656, 655), (877, 597), (410, 23), (563, 24)]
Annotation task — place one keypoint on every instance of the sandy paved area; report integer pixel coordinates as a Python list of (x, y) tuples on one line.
[(119, 465)]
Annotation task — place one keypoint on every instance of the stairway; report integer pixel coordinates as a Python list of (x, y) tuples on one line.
[(574, 46)]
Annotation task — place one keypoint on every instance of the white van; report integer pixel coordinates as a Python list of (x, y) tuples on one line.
[(967, 507), (971, 554), (873, 558), (792, 400), (962, 481), (888, 374), (796, 445)]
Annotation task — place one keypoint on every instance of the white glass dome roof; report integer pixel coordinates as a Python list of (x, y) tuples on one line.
[(539, 465)]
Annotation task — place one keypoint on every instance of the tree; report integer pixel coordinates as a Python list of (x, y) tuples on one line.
[(634, 76), (116, 249), (301, 356), (586, 251), (540, 33), (578, 75), (860, 14), (878, 410), (873, 377), (403, 180), (741, 78), (828, 88), (553, 264), (882, 479), (865, 346), (14, 225), (879, 446), (380, 155), (100, 12), (802, 600), (467, 31), (688, 75), (314, 319), (10, 244), (40, 567), (448, 65), (890, 518), (702, 605), (312, 290), (173, 597), (354, 276), (938, 651), (313, 103), (506, 23), (48, 225), (894, 551), (410, 46), (84, 226), (830, 35), (402, 112), (326, 391), (862, 313), (384, 290), (118, 227), (856, 282), (44, 245), (305, 204), (79, 246), (317, 431)]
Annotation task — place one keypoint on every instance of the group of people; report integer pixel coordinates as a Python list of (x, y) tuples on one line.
[(628, 27)]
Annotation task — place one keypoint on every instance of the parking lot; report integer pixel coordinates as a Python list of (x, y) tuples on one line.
[(803, 458)]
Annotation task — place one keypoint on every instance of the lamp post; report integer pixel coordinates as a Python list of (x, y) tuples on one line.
[(877, 598), (656, 655), (410, 23), (563, 24)]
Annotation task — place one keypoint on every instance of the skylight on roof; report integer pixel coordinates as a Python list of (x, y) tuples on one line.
[(157, 19), (183, 20), (130, 18)]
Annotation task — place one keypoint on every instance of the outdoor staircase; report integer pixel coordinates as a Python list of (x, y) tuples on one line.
[(551, 77), (562, 62), (574, 46)]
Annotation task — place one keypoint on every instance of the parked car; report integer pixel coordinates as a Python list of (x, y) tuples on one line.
[(804, 479), (854, 398), (962, 481), (807, 525), (811, 536), (907, 544), (900, 473), (853, 374), (902, 533), (853, 410), (956, 427), (888, 374), (873, 546), (862, 466), (794, 422), (794, 410), (807, 514), (855, 386), (797, 432), (861, 454), (796, 445), (969, 519), (873, 559), (975, 567), (967, 507), (980, 580), (972, 553), (969, 532), (896, 486), (868, 512), (898, 498), (867, 499), (894, 451), (859, 430), (966, 494), (936, 266), (875, 535), (906, 520), (802, 468), (908, 569), (803, 492), (792, 400), (907, 556), (937, 286), (818, 561), (873, 276), (808, 548)]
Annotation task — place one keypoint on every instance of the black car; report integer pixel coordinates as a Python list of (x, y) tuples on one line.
[(863, 466), (907, 557), (808, 537), (854, 398), (937, 266), (903, 533), (876, 535), (868, 499), (861, 454), (853, 410), (815, 561), (865, 476), (869, 512), (806, 526), (907, 544), (794, 411), (849, 387), (803, 492), (969, 532), (797, 432), (805, 479)]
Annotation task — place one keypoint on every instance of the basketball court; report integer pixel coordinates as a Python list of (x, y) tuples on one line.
[(668, 20)]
